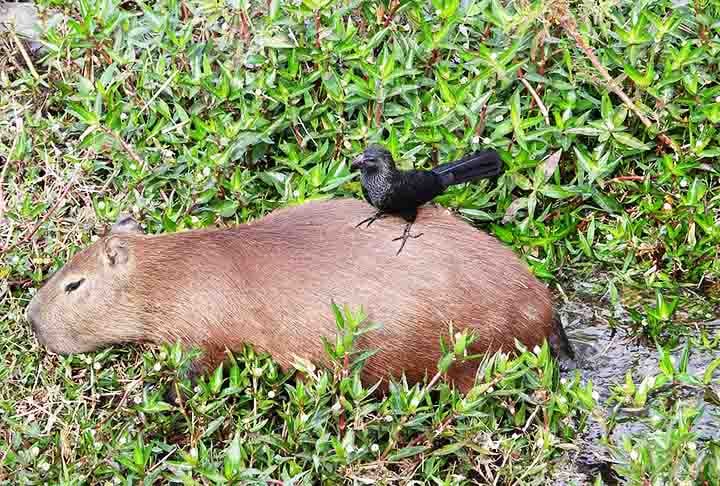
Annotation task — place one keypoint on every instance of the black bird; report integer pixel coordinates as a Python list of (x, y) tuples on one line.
[(401, 192)]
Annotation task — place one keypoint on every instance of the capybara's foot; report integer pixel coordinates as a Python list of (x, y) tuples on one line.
[(193, 374), (561, 347)]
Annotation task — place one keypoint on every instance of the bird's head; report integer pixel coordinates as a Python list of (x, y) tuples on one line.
[(373, 158)]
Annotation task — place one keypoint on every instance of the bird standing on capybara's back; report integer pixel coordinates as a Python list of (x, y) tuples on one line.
[(402, 192), (270, 283)]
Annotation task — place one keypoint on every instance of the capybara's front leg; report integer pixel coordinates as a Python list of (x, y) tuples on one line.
[(208, 361)]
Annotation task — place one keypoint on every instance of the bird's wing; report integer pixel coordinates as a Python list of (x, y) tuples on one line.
[(414, 188)]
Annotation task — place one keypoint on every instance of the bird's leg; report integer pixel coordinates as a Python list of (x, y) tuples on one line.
[(405, 236), (371, 219), (410, 220)]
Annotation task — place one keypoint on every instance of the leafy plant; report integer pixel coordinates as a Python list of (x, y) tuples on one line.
[(191, 113)]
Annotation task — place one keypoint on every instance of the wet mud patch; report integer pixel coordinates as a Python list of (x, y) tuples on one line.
[(608, 346), (21, 17)]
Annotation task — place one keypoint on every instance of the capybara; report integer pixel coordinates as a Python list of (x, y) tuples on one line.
[(270, 283)]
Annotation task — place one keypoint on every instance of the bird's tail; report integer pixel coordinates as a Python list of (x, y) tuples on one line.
[(481, 164)]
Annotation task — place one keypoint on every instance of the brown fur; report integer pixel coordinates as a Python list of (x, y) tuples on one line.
[(270, 283)]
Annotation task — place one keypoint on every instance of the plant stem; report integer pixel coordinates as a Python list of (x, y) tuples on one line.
[(568, 23)]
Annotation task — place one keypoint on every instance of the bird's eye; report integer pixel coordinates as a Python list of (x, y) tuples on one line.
[(73, 285)]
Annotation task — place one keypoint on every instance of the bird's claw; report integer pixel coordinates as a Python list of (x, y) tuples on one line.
[(404, 238), (371, 219)]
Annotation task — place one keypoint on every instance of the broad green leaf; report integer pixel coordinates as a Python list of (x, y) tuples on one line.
[(233, 457), (606, 107), (277, 41), (642, 80), (627, 139), (556, 192), (708, 374), (606, 202), (407, 452), (449, 449), (217, 379), (516, 118)]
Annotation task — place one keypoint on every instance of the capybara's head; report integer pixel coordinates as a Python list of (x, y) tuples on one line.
[(64, 311)]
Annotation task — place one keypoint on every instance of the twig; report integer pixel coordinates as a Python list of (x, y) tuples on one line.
[(244, 27), (480, 127), (130, 151), (502, 465), (394, 5), (8, 160), (26, 57), (9, 235), (529, 420), (133, 155), (122, 401), (27, 237), (628, 178), (568, 23), (23, 283), (157, 93), (536, 97), (317, 29), (298, 136), (159, 463), (433, 382)]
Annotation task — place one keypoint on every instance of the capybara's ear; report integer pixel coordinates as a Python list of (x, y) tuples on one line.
[(126, 224), (116, 251)]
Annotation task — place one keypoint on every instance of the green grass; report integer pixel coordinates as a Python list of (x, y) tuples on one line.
[(189, 113)]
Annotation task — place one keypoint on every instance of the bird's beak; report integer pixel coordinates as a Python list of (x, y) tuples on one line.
[(357, 162)]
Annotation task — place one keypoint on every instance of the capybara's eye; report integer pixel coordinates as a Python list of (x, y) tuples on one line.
[(73, 285)]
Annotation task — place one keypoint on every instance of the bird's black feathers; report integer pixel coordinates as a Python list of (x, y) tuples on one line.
[(401, 192), (481, 164)]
